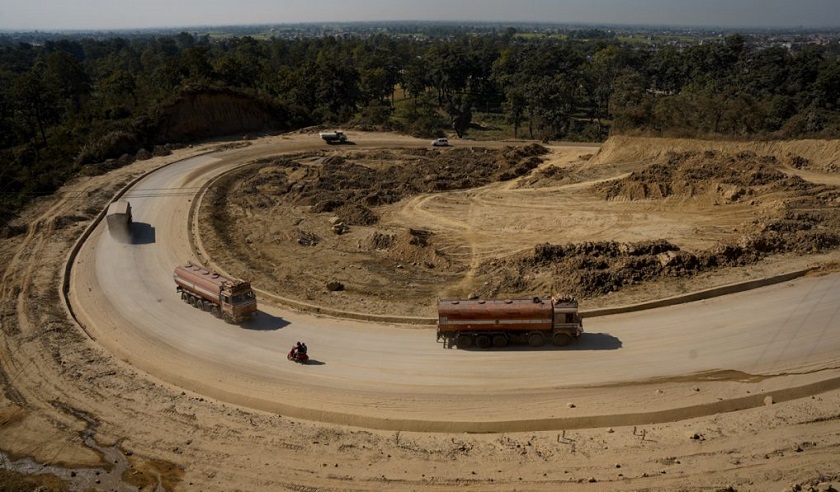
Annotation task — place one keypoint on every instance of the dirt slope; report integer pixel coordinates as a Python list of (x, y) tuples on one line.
[(823, 153)]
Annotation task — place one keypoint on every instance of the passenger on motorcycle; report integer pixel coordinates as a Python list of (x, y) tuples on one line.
[(298, 351)]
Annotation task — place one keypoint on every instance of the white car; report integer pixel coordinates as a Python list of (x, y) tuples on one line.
[(440, 142)]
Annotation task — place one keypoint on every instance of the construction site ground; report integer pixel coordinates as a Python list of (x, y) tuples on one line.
[(387, 227), (400, 228)]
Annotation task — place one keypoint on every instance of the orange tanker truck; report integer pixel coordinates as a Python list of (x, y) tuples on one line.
[(229, 299), (496, 323)]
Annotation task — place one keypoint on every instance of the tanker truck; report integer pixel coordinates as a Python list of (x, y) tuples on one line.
[(499, 322), (232, 300)]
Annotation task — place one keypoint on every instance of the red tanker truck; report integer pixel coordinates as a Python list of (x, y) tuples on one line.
[(496, 323), (230, 299)]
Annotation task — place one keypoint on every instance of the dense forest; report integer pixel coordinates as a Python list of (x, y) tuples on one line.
[(66, 104)]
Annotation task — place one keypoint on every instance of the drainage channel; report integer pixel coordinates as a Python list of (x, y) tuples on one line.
[(107, 478)]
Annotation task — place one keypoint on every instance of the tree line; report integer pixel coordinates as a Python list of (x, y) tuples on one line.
[(59, 97)]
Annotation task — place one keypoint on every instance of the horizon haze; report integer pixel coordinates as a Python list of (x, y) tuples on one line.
[(67, 15)]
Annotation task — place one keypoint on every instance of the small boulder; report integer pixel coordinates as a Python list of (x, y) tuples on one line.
[(666, 258), (335, 286), (340, 228)]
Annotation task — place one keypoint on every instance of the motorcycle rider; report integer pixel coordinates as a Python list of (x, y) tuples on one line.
[(298, 351)]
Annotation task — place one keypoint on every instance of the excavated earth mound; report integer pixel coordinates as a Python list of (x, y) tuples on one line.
[(806, 221), (328, 208)]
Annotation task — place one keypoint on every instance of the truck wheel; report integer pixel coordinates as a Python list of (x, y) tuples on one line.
[(482, 341), (500, 341), (215, 312), (196, 302), (185, 297), (562, 339), (463, 341), (228, 319), (536, 340)]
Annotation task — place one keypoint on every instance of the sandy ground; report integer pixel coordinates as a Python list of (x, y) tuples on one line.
[(432, 245), (76, 409)]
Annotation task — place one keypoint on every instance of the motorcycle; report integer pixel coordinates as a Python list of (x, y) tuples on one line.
[(299, 357)]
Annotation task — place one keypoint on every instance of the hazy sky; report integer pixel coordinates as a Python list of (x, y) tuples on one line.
[(121, 14)]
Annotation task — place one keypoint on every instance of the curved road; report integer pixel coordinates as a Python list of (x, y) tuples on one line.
[(396, 377)]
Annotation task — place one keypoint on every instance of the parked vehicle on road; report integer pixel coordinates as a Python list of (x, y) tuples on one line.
[(440, 142), (333, 137)]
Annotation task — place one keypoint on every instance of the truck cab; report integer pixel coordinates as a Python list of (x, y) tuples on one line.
[(238, 300)]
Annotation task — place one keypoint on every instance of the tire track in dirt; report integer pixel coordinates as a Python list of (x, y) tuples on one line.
[(458, 242), (16, 289), (31, 284), (465, 245)]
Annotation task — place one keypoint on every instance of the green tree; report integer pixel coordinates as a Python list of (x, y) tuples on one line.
[(249, 60), (119, 92), (65, 77), (7, 112), (425, 119), (605, 67), (416, 79), (666, 70), (196, 63), (630, 105), (551, 104), (34, 104), (460, 115), (768, 72), (336, 89), (827, 86), (233, 72), (515, 106), (375, 85), (449, 69), (380, 61)]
